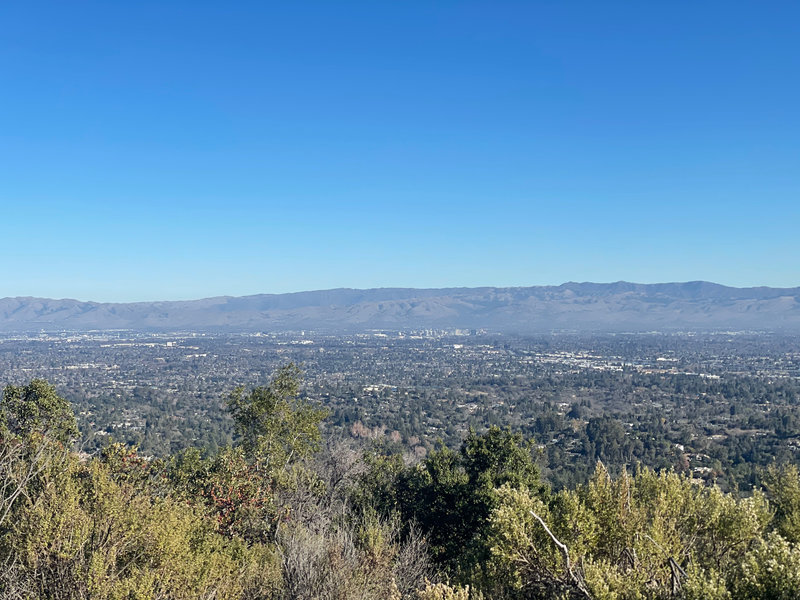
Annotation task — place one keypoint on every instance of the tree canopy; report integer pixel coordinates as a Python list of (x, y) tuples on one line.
[(37, 408), (279, 516)]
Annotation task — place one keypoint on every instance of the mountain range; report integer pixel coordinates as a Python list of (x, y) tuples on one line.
[(620, 306)]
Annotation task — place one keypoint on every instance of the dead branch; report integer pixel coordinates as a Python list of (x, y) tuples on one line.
[(565, 551)]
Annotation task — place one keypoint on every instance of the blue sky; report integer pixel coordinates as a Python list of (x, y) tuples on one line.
[(171, 150)]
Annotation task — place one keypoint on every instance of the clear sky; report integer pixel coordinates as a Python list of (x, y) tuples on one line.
[(175, 150)]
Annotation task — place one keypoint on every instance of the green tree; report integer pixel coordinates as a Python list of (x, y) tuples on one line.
[(645, 536), (244, 488), (771, 571), (782, 483), (37, 408), (37, 428), (275, 426), (451, 495), (89, 534), (435, 495)]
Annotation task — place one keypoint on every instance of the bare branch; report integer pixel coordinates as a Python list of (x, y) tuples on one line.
[(565, 551)]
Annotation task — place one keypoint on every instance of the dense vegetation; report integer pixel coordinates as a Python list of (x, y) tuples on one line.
[(284, 513), (718, 406)]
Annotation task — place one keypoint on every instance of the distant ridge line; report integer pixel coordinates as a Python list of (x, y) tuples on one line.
[(587, 306)]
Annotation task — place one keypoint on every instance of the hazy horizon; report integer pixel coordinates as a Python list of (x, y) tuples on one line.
[(401, 287)]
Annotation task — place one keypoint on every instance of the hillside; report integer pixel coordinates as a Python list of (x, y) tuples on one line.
[(617, 306)]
